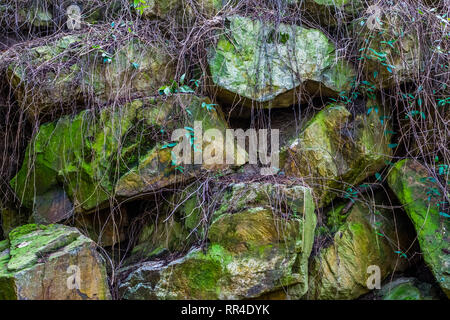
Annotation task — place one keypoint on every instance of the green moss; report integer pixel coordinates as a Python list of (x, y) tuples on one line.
[(88, 154), (405, 291), (30, 242), (339, 149), (203, 271), (242, 61), (408, 180), (4, 244)]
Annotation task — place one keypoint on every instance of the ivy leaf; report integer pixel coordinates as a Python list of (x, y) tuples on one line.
[(378, 176), (169, 145), (186, 89), (182, 78)]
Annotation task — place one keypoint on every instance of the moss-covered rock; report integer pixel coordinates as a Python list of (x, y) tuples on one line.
[(60, 76), (411, 183), (407, 289), (48, 15), (390, 48), (260, 248), (261, 63), (367, 238), (338, 148), (43, 263), (79, 163)]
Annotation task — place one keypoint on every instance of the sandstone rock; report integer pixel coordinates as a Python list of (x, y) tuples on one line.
[(391, 51), (337, 148), (44, 262), (410, 182), (79, 163), (264, 64), (340, 271), (38, 15), (176, 226), (58, 77), (260, 248)]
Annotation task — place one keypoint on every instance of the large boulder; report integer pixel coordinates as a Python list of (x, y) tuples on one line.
[(420, 197), (367, 238), (338, 148), (259, 242), (259, 62), (79, 163), (60, 76), (389, 43), (52, 262)]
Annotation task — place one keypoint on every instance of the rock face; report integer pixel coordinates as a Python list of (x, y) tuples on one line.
[(411, 183), (264, 64), (337, 148), (78, 163), (52, 262), (55, 78), (341, 271), (178, 225), (40, 15), (391, 51), (257, 249)]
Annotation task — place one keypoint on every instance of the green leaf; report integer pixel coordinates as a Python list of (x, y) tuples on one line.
[(444, 214), (186, 89), (182, 78), (167, 91), (169, 145)]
